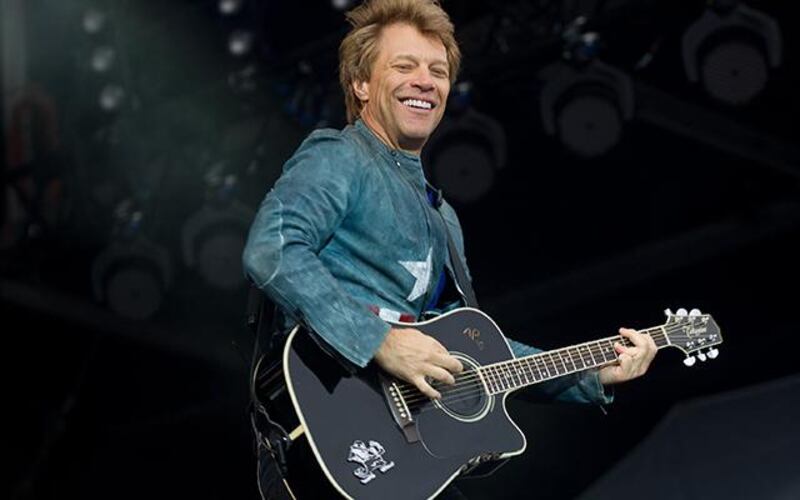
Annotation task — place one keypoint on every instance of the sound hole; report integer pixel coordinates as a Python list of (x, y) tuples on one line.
[(467, 398)]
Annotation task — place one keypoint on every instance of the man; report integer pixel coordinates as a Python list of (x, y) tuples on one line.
[(348, 238)]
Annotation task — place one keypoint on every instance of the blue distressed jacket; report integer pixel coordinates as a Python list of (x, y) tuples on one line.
[(348, 226)]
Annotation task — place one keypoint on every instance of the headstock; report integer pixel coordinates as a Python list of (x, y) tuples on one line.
[(691, 333)]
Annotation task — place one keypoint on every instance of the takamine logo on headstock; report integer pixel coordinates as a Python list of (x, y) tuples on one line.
[(692, 332)]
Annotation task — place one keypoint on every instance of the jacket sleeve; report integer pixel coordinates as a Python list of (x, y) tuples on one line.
[(320, 184), (584, 387)]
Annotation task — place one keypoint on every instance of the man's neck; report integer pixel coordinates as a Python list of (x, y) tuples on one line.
[(379, 132)]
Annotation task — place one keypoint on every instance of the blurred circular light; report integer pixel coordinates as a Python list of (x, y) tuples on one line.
[(341, 4), (93, 21), (229, 7), (219, 259), (102, 59), (734, 72), (134, 292), (464, 171), (589, 125), (111, 97), (240, 42)]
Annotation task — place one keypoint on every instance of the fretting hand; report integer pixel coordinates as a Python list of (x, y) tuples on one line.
[(632, 361), (412, 356)]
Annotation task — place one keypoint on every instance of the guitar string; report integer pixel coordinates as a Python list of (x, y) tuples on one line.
[(518, 373), (528, 366), (518, 379), (535, 362), (520, 376), (519, 368), (420, 403)]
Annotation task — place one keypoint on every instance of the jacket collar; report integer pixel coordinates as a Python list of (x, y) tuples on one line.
[(377, 144)]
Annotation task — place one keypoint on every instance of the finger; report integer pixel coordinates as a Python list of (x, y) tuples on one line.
[(440, 374), (624, 349), (653, 347), (425, 388), (448, 362), (636, 338), (625, 362)]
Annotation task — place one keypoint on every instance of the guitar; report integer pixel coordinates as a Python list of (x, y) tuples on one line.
[(374, 437)]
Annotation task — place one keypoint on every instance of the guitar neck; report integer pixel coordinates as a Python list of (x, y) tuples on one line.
[(528, 370)]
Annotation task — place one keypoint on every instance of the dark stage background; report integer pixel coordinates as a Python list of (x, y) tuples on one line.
[(608, 160)]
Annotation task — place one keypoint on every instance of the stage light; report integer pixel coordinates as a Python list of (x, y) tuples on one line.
[(213, 238), (230, 7), (464, 153), (111, 97), (583, 101), (131, 278), (93, 21), (240, 42), (102, 59), (586, 105), (132, 274), (341, 4), (730, 49)]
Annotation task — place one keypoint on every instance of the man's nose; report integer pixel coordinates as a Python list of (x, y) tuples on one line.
[(423, 80)]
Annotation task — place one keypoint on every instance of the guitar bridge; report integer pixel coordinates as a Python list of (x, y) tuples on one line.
[(399, 410)]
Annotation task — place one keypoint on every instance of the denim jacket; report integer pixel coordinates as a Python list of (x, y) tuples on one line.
[(347, 227)]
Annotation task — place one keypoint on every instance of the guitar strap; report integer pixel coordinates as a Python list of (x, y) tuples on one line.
[(463, 283)]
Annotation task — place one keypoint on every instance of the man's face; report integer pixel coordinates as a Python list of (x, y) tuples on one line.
[(407, 92)]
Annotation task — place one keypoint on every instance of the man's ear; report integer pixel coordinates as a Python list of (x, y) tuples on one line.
[(361, 90)]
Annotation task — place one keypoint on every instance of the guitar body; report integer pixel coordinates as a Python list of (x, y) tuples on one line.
[(359, 441)]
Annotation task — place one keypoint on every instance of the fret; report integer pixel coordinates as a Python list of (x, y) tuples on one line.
[(526, 371), (509, 375), (611, 351), (495, 378), (591, 354), (501, 373), (560, 366), (537, 376), (586, 355), (560, 359), (566, 351), (603, 351), (541, 367), (520, 373), (553, 364), (577, 354), (516, 381), (530, 372), (487, 377)]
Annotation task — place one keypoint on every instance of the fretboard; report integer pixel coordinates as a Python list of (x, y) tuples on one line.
[(528, 370)]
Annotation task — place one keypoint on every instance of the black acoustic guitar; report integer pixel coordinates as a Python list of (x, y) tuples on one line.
[(369, 436)]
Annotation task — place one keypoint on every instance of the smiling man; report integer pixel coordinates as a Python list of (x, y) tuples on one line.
[(349, 238)]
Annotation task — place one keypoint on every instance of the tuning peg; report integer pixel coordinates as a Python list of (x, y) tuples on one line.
[(701, 356), (668, 312), (713, 352), (695, 312), (681, 312), (689, 361)]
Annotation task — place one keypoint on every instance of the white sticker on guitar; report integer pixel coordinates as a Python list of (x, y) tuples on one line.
[(370, 457)]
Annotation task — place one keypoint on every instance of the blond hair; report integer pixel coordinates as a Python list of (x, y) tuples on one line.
[(359, 49)]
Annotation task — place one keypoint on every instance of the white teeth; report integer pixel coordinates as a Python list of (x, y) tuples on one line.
[(416, 103)]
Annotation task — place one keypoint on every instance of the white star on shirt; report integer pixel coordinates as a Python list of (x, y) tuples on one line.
[(421, 270)]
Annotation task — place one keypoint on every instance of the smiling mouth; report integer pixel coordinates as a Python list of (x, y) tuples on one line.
[(418, 104)]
